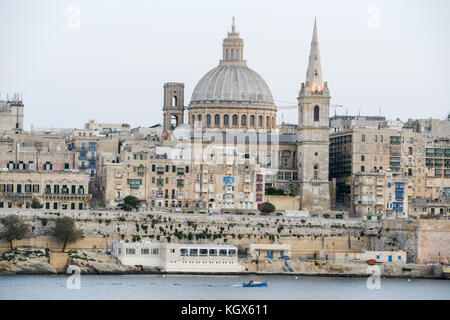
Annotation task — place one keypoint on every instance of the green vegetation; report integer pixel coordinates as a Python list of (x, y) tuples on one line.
[(274, 192), (14, 229), (129, 203), (266, 208), (66, 231), (35, 204)]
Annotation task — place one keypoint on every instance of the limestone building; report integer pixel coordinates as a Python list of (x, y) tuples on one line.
[(58, 190), (11, 114), (313, 137), (232, 96)]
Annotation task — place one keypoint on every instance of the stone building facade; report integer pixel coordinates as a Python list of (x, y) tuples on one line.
[(11, 114), (59, 190)]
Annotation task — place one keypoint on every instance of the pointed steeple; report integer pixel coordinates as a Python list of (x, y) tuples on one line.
[(314, 74)]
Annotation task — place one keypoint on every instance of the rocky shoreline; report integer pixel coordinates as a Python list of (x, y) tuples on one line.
[(97, 262)]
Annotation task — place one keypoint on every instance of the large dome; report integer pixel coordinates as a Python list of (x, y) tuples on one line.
[(233, 83)]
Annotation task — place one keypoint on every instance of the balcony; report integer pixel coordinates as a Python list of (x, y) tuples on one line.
[(66, 196)]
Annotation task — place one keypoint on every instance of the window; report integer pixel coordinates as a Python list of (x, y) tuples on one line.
[(130, 251), (363, 138), (244, 120), (217, 120), (316, 113), (208, 120), (252, 120), (362, 158), (235, 120), (226, 120), (145, 251), (362, 168), (47, 166), (260, 121)]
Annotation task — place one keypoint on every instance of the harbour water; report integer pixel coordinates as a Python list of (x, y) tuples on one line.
[(192, 287)]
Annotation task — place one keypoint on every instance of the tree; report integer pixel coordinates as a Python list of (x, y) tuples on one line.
[(66, 231), (35, 204), (15, 229), (274, 192), (266, 208), (129, 203)]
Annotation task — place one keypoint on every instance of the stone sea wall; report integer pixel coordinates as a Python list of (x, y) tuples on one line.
[(424, 241)]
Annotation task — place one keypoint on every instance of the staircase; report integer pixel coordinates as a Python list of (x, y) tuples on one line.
[(287, 266)]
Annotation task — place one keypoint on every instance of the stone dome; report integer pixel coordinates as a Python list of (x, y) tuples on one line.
[(233, 84)]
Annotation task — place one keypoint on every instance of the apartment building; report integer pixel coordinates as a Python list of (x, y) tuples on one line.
[(59, 190)]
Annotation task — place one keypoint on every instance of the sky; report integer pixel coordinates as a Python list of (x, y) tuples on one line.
[(107, 60)]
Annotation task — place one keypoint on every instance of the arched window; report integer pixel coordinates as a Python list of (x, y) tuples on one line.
[(260, 121), (315, 175), (217, 120), (252, 120), (235, 120), (267, 122), (316, 113), (226, 120), (316, 168), (237, 54), (243, 120), (227, 55), (208, 120), (174, 101), (199, 118), (232, 54), (193, 119)]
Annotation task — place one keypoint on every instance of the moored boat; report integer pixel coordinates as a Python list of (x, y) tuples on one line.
[(255, 284)]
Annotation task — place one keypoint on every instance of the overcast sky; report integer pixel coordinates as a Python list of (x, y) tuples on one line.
[(111, 63)]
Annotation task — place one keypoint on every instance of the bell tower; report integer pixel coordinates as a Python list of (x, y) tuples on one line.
[(313, 135), (173, 108)]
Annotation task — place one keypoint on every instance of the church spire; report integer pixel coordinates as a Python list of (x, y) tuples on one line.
[(314, 74), (233, 26)]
